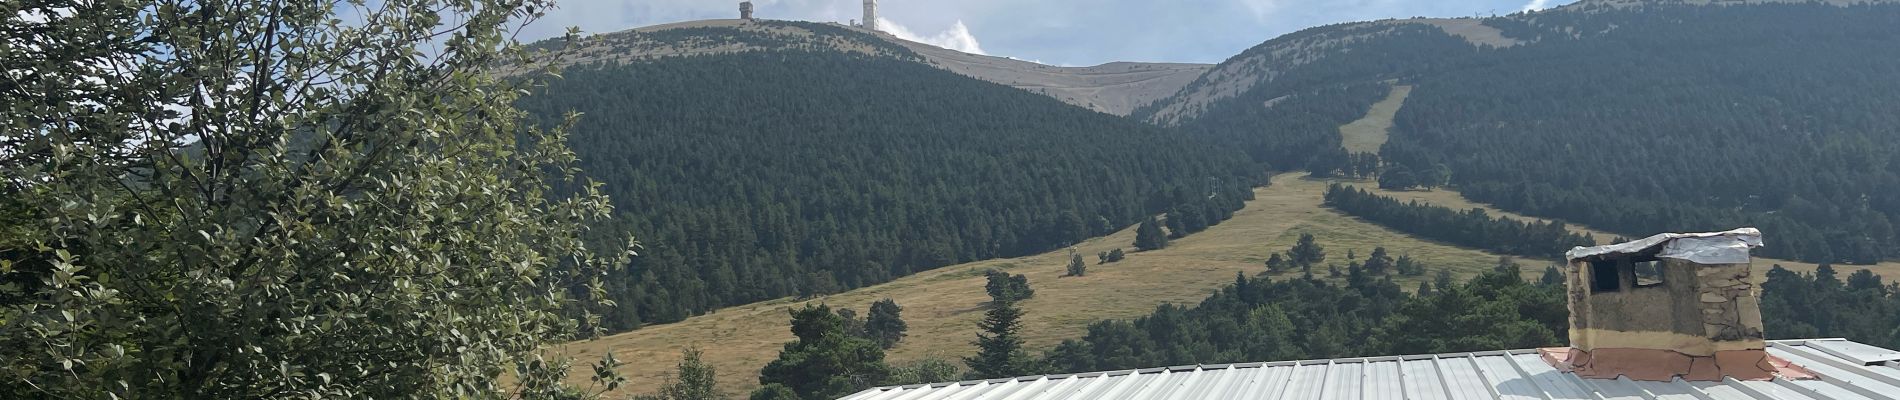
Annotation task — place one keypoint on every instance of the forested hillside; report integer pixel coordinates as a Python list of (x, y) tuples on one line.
[(767, 174), (1861, 307), (1778, 116), (1471, 228), (1262, 319), (1637, 120)]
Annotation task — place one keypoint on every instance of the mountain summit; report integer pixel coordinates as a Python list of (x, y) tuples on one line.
[(1115, 88)]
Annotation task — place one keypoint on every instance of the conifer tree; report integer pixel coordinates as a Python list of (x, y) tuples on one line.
[(1276, 334), (1407, 266), (1379, 262), (1307, 252), (1004, 287), (694, 380), (1276, 263), (886, 324), (1149, 236), (774, 392), (1356, 277), (1193, 219), (1552, 277), (853, 325), (1076, 266), (824, 362), (999, 348)]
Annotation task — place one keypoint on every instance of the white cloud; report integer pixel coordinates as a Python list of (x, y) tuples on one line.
[(1535, 5), (1261, 8), (957, 38)]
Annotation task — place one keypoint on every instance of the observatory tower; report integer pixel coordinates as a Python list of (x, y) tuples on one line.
[(870, 15)]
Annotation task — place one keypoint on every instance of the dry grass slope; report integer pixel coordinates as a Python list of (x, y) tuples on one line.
[(1370, 132), (943, 306), (1453, 199)]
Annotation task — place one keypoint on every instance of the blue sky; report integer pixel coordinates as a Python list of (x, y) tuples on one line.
[(1059, 32)]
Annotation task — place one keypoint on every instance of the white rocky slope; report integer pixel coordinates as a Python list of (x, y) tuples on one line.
[(1115, 88), (1261, 65), (1264, 64)]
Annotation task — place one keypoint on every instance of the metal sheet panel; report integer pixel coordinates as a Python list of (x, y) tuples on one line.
[(1383, 381), (1557, 383), (1838, 376), (1462, 378), (1858, 353), (1517, 374), (1504, 378), (1345, 381), (1422, 381), (1307, 381)]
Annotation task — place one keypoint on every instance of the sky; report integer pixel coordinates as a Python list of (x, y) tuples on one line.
[(1055, 32)]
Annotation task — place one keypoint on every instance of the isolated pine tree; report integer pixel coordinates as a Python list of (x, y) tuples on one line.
[(886, 324), (1407, 266), (999, 348), (1276, 263), (694, 380), (1076, 266), (1004, 287), (1379, 262), (1149, 236), (1307, 252)]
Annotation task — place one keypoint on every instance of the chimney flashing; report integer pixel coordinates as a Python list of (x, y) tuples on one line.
[(1727, 247)]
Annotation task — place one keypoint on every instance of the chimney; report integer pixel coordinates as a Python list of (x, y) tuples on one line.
[(870, 15), (745, 10), (1667, 306)]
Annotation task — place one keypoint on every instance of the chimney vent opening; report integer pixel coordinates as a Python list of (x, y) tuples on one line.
[(1604, 277), (1649, 274)]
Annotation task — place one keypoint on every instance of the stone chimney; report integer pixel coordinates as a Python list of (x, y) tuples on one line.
[(1667, 306)]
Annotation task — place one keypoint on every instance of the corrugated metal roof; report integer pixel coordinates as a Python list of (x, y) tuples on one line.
[(1847, 370)]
